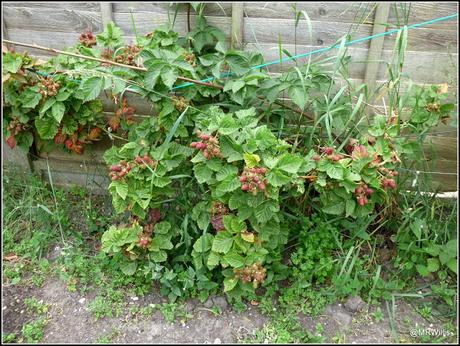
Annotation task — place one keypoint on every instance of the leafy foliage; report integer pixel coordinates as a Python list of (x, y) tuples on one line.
[(214, 183)]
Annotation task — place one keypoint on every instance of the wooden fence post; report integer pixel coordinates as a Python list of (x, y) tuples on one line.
[(237, 24), (376, 46), (106, 13)]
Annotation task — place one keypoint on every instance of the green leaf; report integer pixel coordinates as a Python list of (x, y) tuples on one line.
[(168, 76), (213, 260), (298, 95), (335, 172), (423, 271), (151, 78), (251, 160), (162, 227), (289, 163), (202, 173), (121, 188), (227, 125), (58, 110), (228, 184), (30, 98), (234, 259), (222, 242), (10, 63), (432, 265), (158, 256), (48, 104), (203, 243), (128, 268), (91, 88), (47, 128), (229, 284)]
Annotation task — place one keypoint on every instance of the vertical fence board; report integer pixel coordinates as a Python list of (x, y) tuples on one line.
[(376, 46), (237, 24), (106, 13)]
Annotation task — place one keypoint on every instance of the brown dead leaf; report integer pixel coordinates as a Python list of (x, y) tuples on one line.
[(11, 257)]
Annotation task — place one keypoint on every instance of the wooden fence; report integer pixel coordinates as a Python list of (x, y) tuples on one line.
[(431, 54)]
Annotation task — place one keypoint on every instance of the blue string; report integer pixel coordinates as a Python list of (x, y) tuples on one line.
[(390, 32)]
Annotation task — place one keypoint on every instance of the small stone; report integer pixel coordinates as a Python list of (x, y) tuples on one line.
[(343, 319), (217, 341), (4, 308), (135, 298), (82, 300), (208, 303), (22, 311), (221, 302), (354, 304)]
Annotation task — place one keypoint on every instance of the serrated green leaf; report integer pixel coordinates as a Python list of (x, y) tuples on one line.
[(234, 259), (58, 110), (162, 227), (227, 125), (128, 268), (91, 88), (229, 284), (222, 242), (47, 128)]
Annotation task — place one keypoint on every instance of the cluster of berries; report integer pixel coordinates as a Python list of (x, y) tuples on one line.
[(126, 112), (253, 179), (362, 193), (433, 107), (190, 58), (120, 170), (107, 54), (14, 127), (144, 240), (145, 161), (48, 87), (128, 55), (218, 210), (209, 145), (329, 151), (180, 103), (88, 39), (255, 273), (356, 150), (388, 181), (123, 168)]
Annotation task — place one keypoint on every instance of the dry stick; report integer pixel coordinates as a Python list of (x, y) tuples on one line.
[(143, 69)]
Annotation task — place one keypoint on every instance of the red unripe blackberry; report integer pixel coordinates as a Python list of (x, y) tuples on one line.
[(245, 187), (328, 150), (243, 178)]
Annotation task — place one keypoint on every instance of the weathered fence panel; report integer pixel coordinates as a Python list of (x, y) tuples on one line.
[(431, 56)]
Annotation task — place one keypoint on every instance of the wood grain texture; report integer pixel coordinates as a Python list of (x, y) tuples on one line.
[(59, 20), (211, 9), (69, 5), (69, 174), (444, 65), (376, 45), (266, 30)]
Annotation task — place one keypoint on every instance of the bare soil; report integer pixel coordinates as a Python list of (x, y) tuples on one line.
[(70, 320)]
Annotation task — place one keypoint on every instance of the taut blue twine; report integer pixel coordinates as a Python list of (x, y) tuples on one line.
[(329, 48), (413, 26)]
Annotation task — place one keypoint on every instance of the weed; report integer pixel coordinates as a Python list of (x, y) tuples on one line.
[(33, 305), (34, 331)]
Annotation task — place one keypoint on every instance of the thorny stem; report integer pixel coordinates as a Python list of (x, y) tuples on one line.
[(137, 68)]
